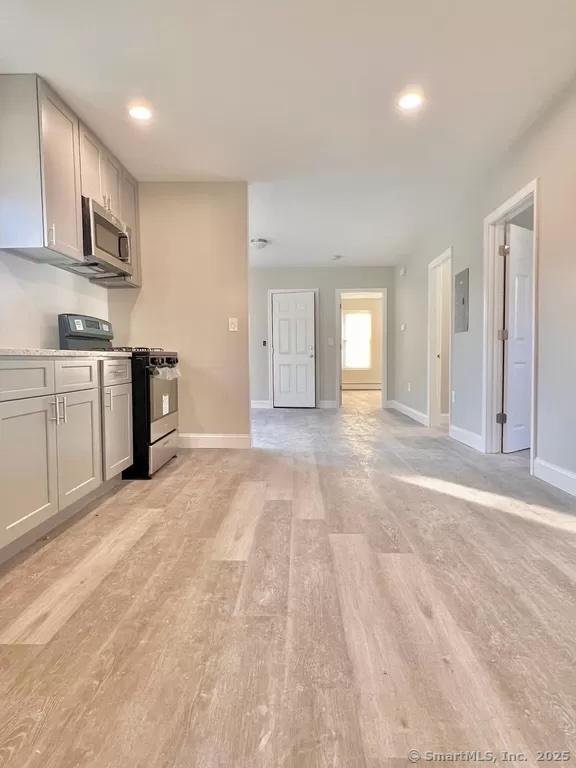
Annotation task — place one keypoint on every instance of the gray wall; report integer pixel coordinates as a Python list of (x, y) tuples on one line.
[(327, 280), (194, 277), (31, 297), (546, 152)]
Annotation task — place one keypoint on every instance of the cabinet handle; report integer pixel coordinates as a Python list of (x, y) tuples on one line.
[(65, 416), (110, 403), (52, 234), (56, 418)]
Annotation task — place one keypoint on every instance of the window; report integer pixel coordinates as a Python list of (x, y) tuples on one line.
[(357, 340)]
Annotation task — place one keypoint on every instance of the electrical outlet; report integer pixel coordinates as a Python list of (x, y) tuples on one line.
[(409, 387), (232, 323), (453, 395)]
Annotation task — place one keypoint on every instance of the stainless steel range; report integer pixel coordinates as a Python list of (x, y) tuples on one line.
[(154, 391), (155, 406)]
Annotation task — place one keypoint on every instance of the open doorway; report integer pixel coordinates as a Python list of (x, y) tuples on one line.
[(439, 339), (510, 326), (362, 360)]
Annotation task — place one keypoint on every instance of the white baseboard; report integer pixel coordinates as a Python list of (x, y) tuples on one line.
[(261, 404), (471, 439), (555, 475), (203, 440), (421, 418), (327, 404)]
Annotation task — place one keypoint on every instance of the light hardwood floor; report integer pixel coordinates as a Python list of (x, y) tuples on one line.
[(354, 587)]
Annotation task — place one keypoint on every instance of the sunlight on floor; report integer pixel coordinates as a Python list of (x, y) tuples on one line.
[(534, 512)]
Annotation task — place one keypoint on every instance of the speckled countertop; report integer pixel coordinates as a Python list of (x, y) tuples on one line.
[(30, 352)]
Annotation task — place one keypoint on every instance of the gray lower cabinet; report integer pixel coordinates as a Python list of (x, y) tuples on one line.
[(28, 465), (79, 445), (117, 429)]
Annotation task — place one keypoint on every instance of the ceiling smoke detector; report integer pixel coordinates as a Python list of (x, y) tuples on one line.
[(259, 243)]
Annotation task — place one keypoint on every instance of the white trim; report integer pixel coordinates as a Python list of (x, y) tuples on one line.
[(204, 440), (412, 413), (555, 475), (492, 373), (471, 439), (383, 295), (328, 404), (443, 418), (270, 340), (261, 404)]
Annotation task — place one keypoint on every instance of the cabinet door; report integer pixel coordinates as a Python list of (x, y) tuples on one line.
[(60, 153), (131, 217), (111, 174), (28, 474), (79, 445), (91, 166), (117, 404)]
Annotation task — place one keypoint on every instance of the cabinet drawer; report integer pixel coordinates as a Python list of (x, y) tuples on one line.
[(116, 372), (20, 378), (76, 374)]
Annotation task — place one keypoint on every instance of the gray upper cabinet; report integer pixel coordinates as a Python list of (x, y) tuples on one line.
[(111, 175), (91, 166), (79, 445), (101, 173), (40, 207), (60, 156), (48, 160), (28, 466)]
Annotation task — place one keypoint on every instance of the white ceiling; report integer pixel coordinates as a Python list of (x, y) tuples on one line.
[(298, 95)]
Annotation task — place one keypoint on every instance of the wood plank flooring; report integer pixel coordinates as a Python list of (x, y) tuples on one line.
[(354, 587)]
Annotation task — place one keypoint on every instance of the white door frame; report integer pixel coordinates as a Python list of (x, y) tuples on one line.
[(271, 292), (446, 256), (492, 373), (338, 340)]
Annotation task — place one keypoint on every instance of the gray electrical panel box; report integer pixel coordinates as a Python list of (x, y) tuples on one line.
[(461, 301)]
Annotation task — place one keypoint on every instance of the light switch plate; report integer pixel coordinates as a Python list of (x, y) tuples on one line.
[(232, 323), (403, 326)]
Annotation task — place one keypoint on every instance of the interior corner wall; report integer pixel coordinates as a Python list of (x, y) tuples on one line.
[(194, 277), (327, 280), (544, 153)]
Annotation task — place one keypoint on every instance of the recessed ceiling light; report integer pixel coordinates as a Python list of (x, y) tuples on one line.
[(140, 112), (410, 101)]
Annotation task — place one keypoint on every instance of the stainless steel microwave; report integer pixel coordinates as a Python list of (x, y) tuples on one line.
[(106, 241)]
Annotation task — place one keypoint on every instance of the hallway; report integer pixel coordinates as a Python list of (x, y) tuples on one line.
[(354, 587)]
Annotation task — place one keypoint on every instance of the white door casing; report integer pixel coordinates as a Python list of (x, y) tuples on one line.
[(294, 349), (518, 347)]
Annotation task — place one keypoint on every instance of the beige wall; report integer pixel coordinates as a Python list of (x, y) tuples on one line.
[(194, 271), (356, 379), (545, 152), (33, 295), (327, 280)]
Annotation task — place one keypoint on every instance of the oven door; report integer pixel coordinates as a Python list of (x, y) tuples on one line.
[(163, 406)]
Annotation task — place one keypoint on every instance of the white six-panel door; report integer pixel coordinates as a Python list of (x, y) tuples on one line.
[(518, 347), (293, 349)]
